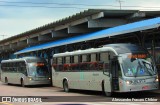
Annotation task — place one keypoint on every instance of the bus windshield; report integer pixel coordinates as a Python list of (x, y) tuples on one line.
[(136, 65), (38, 69)]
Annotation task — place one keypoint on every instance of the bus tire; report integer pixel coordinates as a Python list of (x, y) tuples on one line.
[(6, 80), (22, 83), (108, 94), (65, 86)]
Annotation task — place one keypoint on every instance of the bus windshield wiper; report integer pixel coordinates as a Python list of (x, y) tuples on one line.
[(149, 70), (139, 64)]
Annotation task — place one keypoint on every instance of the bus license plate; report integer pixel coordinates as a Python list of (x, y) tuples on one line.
[(145, 87)]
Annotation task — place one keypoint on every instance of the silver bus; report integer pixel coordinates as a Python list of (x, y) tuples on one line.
[(25, 71), (111, 68)]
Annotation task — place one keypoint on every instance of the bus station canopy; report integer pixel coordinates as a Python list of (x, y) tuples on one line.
[(118, 30)]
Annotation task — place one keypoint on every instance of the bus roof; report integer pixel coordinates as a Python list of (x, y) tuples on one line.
[(116, 48), (87, 51), (122, 48), (27, 59)]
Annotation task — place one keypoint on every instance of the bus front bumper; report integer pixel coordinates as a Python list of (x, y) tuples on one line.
[(38, 82), (139, 87)]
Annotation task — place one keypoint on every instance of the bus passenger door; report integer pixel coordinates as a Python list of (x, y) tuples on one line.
[(114, 73)]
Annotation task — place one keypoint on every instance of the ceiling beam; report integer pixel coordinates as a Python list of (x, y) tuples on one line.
[(58, 34), (22, 43), (106, 23), (78, 29), (44, 37), (31, 41)]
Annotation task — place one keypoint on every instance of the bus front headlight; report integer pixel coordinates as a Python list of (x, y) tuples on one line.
[(30, 78), (156, 79), (128, 82), (49, 78)]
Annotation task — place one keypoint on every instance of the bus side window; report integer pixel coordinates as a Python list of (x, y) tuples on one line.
[(68, 60), (23, 63), (84, 64), (111, 55), (93, 58), (59, 60), (104, 61), (11, 69), (84, 58), (66, 66), (54, 60), (54, 63), (75, 65), (6, 67), (2, 66), (14, 67), (72, 59), (18, 67), (76, 59), (59, 64), (93, 62), (22, 68)]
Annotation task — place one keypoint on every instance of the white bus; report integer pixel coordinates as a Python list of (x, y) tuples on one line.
[(112, 68), (25, 71)]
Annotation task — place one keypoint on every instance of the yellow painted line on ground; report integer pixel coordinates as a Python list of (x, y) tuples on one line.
[(6, 103)]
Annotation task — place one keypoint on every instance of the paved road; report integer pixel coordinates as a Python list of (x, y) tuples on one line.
[(79, 97)]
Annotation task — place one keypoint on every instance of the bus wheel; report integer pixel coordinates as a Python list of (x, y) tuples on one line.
[(65, 86), (108, 94), (22, 83), (6, 80)]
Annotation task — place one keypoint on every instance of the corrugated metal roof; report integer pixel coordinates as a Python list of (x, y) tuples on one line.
[(85, 13), (123, 29), (56, 23), (74, 17)]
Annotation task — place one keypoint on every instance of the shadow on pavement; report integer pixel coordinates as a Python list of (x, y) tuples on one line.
[(140, 94)]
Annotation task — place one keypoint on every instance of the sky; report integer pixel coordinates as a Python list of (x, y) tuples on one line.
[(18, 16)]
